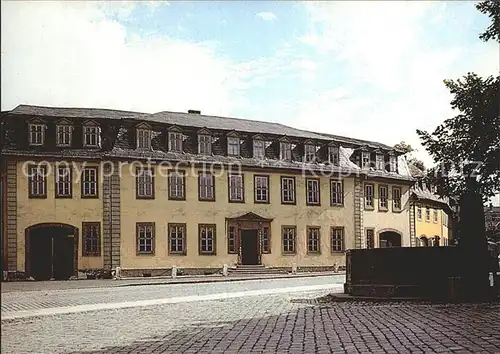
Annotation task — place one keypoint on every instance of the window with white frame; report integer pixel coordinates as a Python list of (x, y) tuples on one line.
[(382, 197), (313, 240), (233, 146), (259, 149), (427, 215), (396, 198), (285, 151), (369, 189), (176, 185), (337, 239), (333, 155), (175, 141), (312, 190), (309, 153), (37, 180), (207, 186), (365, 159), (143, 139), (64, 134), (91, 136), (336, 193), (145, 183), (231, 240), (370, 238), (236, 188), (36, 134), (435, 216), (419, 213), (266, 241), (63, 181), (205, 144), (380, 162), (287, 190), (207, 239), (289, 239), (393, 164), (89, 182), (177, 239), (145, 234), (261, 185)]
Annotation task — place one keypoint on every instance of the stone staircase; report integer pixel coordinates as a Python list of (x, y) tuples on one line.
[(258, 269)]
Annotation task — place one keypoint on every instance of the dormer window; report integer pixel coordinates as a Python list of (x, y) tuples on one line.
[(37, 134), (64, 134), (259, 149), (233, 146), (393, 164), (309, 152), (175, 141), (205, 144), (91, 136), (144, 139), (285, 151), (379, 162), (333, 155), (365, 159)]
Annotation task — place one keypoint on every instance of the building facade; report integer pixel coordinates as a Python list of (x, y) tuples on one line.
[(92, 189)]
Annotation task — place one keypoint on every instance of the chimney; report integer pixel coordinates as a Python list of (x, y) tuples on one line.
[(193, 111)]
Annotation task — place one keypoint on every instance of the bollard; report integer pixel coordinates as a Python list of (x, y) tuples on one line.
[(224, 270), (174, 272), (118, 272), (294, 268)]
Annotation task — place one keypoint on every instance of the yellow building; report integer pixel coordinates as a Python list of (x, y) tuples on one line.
[(92, 189)]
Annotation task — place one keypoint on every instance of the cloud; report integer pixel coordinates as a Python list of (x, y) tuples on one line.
[(56, 54), (267, 16)]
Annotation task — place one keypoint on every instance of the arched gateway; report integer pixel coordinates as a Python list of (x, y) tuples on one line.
[(389, 238), (51, 251)]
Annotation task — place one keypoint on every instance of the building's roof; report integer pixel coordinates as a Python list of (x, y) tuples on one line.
[(425, 194), (70, 112), (343, 139), (415, 171)]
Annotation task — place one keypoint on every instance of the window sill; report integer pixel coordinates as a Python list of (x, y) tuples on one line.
[(91, 255), (63, 197), (313, 204), (89, 197), (144, 197), (288, 203), (207, 253), (337, 205), (206, 200), (38, 196), (236, 201), (145, 254), (383, 210), (315, 253), (177, 253), (288, 253), (369, 208), (177, 198), (261, 202), (337, 252)]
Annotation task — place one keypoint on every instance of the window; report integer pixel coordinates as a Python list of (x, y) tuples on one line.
[(37, 179), (336, 193), (393, 164), (337, 238), (89, 182), (365, 159), (266, 240), (419, 213), (91, 239), (259, 149), (176, 185), (205, 144), (231, 240), (206, 183), (177, 239), (427, 215), (91, 136), (380, 162), (285, 151), (64, 133), (145, 232), (313, 240), (382, 197), (261, 186), (236, 188), (63, 182), (175, 141), (309, 153), (233, 146), (207, 239), (145, 183), (370, 238), (312, 191), (289, 239), (396, 198), (333, 155), (37, 134), (287, 190), (369, 196), (435, 216), (144, 139), (445, 219)]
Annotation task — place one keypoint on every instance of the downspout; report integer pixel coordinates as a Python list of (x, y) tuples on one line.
[(110, 222)]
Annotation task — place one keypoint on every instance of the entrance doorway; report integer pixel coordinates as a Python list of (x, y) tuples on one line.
[(390, 239), (51, 251), (249, 247)]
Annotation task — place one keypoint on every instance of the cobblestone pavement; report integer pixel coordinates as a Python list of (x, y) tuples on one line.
[(264, 324)]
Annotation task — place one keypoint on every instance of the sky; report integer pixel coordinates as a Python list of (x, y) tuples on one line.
[(370, 70)]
